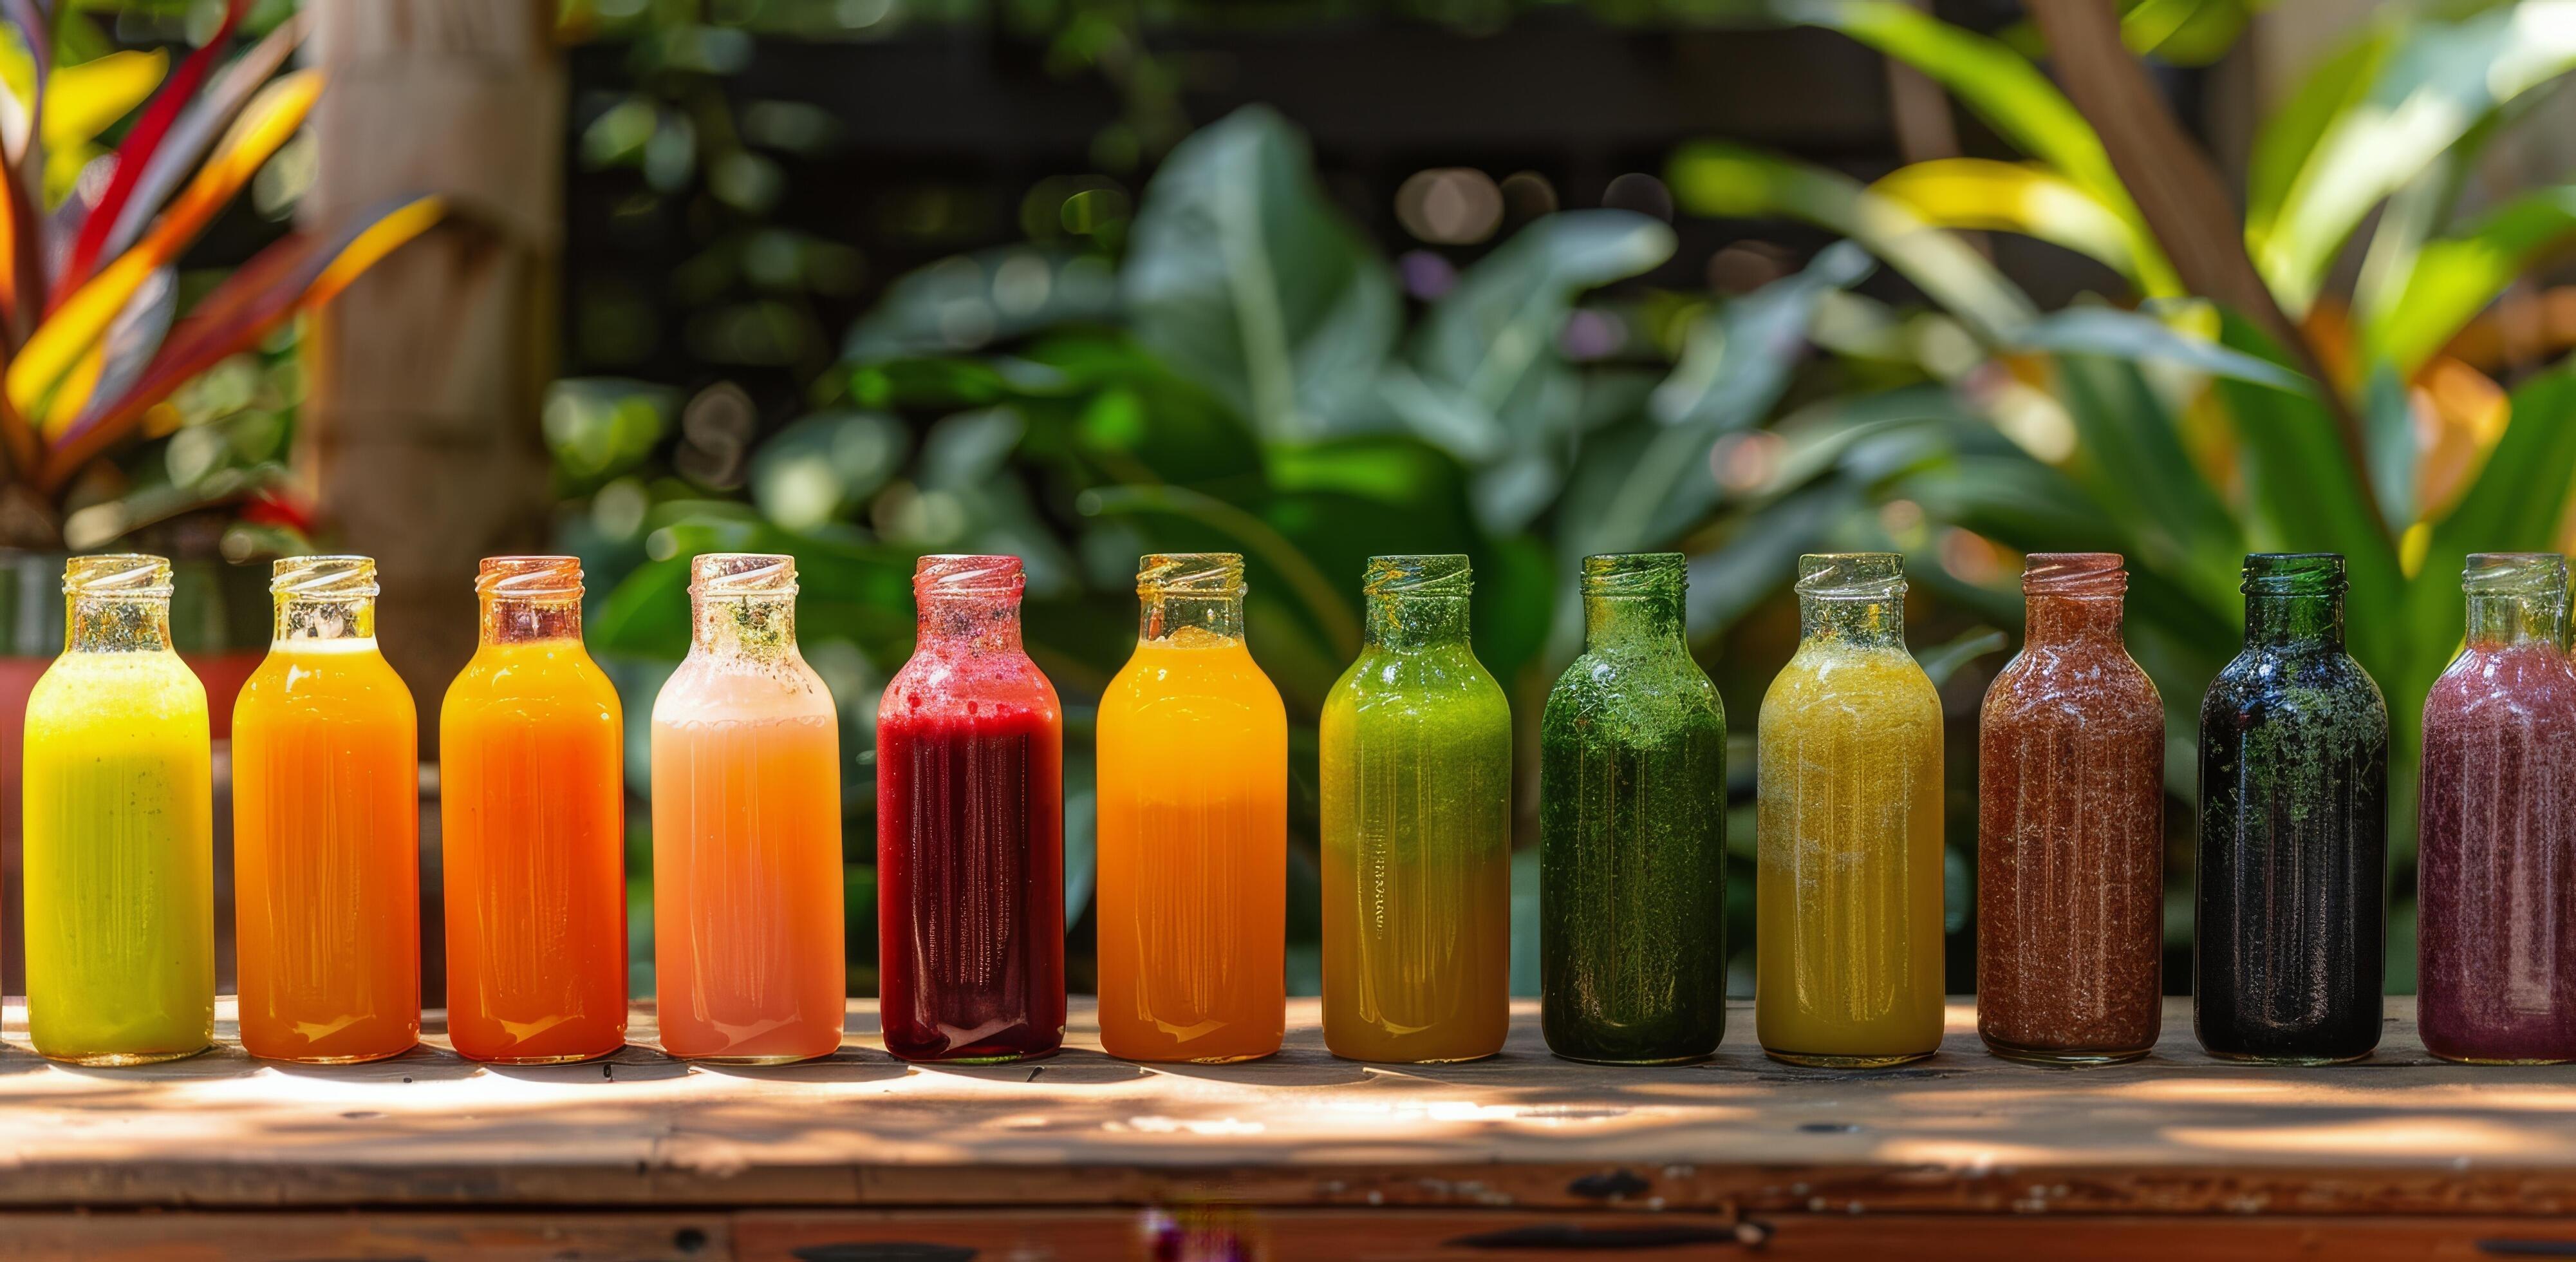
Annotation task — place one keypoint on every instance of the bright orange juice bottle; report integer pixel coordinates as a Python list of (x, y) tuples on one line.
[(532, 809), (1193, 842), (748, 943), (326, 829)]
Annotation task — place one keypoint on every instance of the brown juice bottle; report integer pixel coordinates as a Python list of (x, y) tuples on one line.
[(2070, 830)]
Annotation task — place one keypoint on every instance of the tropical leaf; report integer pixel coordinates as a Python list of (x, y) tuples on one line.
[(2287, 139), (1983, 194), (2454, 278), (1243, 277), (135, 154), (83, 100), (305, 269), (2137, 336), (2519, 498), (971, 301), (77, 323), (196, 130), (2437, 83), (1730, 181)]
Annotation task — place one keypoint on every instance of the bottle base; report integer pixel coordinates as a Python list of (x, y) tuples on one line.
[(1468, 1059), (2288, 1062), (362, 1058), (782, 1058), (981, 1058), (1230, 1058), (1811, 1060), (2062, 1058), (111, 1060), (1632, 1062), (572, 1058), (2501, 1060)]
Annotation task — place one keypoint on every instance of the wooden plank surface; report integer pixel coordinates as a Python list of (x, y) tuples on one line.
[(2177, 1133)]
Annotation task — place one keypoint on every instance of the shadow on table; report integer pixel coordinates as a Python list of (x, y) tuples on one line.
[(1074, 1066), (421, 1064), (850, 1064)]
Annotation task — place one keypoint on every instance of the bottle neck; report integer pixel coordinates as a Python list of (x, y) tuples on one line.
[(1162, 615), (1870, 623), (1632, 621), (1406, 622), (528, 620), (2307, 620), (982, 624), (347, 618), (755, 626), (2072, 620), (2499, 620), (116, 624)]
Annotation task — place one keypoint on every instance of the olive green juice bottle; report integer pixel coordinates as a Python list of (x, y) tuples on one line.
[(1417, 774)]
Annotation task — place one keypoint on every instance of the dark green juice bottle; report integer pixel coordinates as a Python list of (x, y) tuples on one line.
[(1632, 830), (1416, 780), (2286, 950)]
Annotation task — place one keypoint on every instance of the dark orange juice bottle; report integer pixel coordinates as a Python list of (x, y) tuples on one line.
[(326, 829), (533, 814)]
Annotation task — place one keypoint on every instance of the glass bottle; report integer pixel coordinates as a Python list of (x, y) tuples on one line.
[(1416, 772), (750, 961), (1848, 830), (970, 828), (326, 829), (119, 830), (1632, 830), (2496, 928), (1193, 841), (2070, 829), (532, 810), (2286, 949)]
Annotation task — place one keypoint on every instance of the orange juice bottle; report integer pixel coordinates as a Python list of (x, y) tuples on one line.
[(748, 947), (533, 814), (326, 829), (1193, 841)]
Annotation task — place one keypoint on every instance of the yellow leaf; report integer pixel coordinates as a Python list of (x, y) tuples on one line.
[(82, 101), (369, 247), (57, 345), (1980, 194)]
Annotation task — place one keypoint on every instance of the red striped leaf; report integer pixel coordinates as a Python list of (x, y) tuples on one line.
[(136, 153)]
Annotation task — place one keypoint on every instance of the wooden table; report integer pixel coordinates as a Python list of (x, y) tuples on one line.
[(861, 1159)]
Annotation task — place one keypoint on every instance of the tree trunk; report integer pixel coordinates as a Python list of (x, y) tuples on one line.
[(420, 436)]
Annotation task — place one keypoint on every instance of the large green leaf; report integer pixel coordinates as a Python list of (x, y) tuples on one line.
[(2454, 278), (2137, 336), (2438, 81), (1730, 181), (1489, 346), (972, 301), (1242, 277), (2131, 460)]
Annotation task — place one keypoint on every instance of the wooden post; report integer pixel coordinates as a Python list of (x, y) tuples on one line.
[(420, 430)]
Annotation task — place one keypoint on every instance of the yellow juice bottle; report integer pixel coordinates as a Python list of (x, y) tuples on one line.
[(1848, 906), (1193, 828), (119, 830)]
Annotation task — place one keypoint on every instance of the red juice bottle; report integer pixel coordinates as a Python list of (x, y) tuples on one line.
[(970, 829), (2496, 932)]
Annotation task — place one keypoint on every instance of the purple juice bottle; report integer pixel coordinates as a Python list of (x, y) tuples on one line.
[(2496, 948)]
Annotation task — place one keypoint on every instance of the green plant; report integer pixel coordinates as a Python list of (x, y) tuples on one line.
[(2239, 408), (1246, 378), (89, 285)]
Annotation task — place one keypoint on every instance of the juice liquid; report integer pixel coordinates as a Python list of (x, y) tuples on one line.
[(1193, 853), (970, 830), (533, 813), (1416, 767), (1848, 897), (119, 829), (750, 965), (326, 855)]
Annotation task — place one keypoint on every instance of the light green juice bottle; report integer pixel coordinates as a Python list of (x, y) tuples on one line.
[(119, 820)]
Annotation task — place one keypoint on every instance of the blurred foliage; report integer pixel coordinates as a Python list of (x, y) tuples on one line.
[(2181, 435), (1248, 377)]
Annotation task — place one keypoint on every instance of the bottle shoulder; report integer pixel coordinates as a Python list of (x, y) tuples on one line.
[(1386, 676), (1885, 682), (2326, 691), (936, 682), (82, 690), (2084, 685), (1599, 684), (710, 687)]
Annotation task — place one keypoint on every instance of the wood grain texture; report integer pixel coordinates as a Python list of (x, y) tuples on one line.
[(2175, 1133)]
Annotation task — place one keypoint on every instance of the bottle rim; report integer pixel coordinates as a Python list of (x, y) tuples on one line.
[(1616, 574), (1851, 575), (1426, 574), (324, 577), (1203, 574), (118, 575), (528, 577), (949, 575), (2294, 574), (2514, 574), (2074, 574), (725, 575)]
